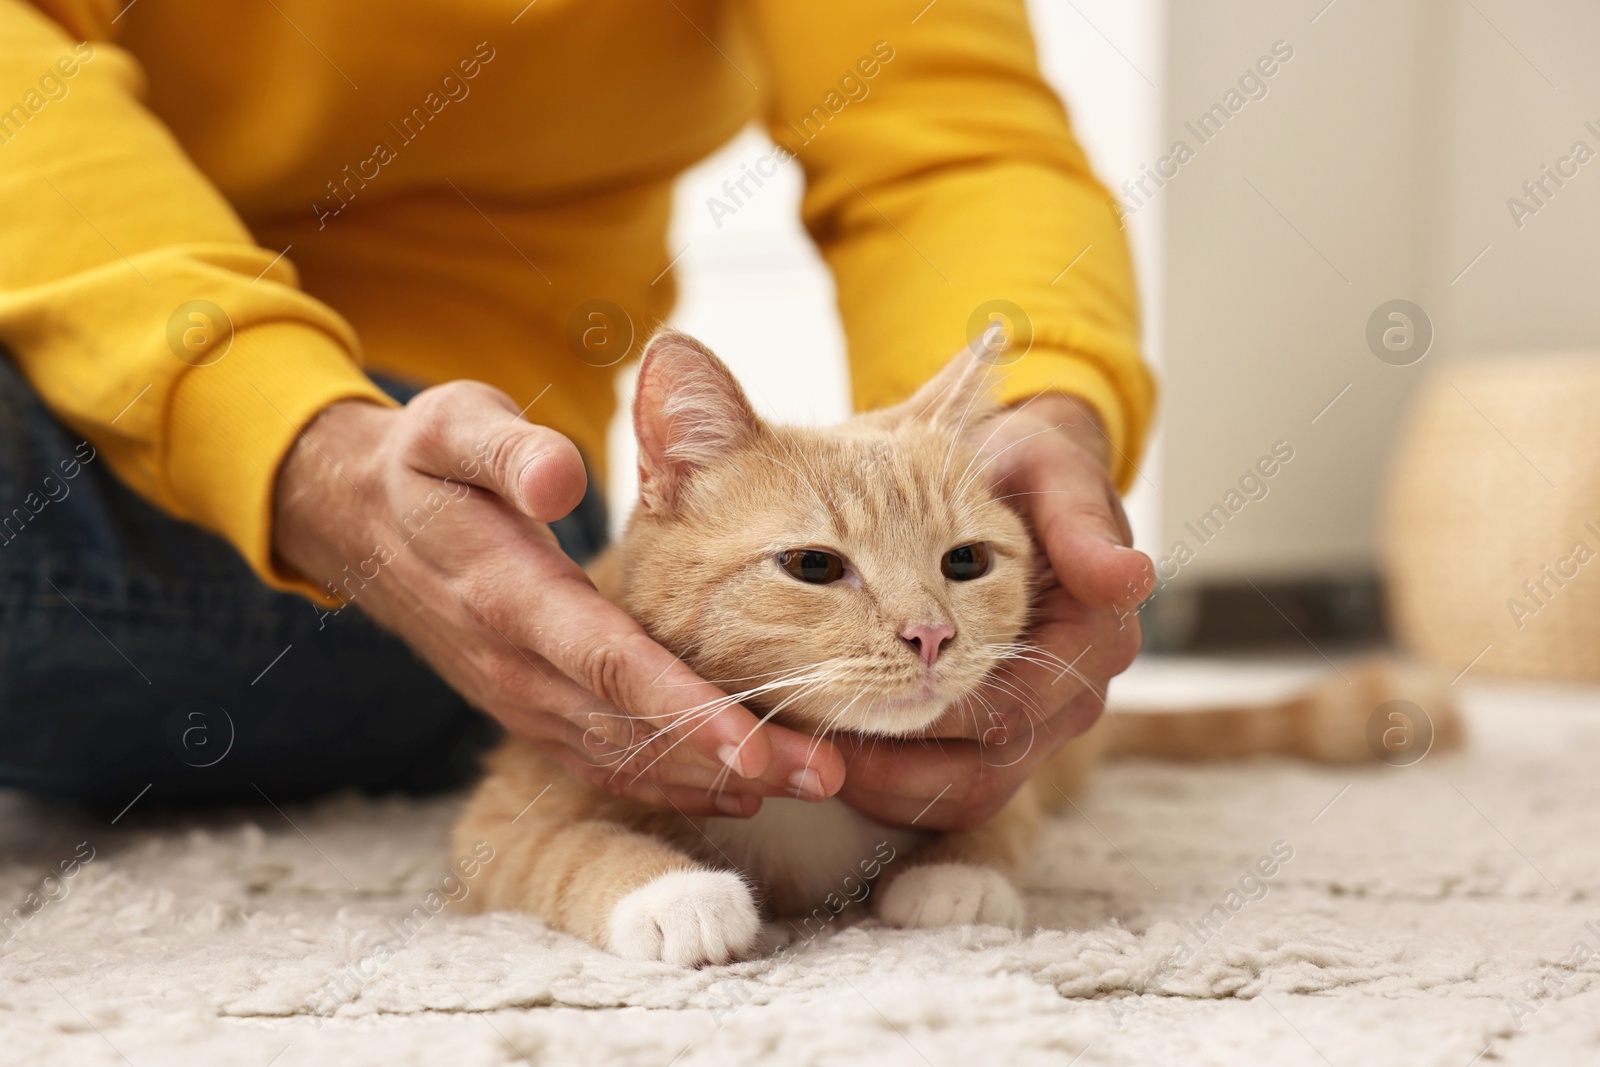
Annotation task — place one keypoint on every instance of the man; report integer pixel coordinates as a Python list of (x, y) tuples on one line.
[(235, 236)]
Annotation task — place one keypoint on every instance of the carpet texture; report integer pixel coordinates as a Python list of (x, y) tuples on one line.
[(1443, 913)]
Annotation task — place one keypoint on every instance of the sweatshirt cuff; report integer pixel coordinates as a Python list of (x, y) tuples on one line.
[(231, 423), (1124, 417)]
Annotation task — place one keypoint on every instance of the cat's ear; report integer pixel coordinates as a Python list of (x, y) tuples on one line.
[(958, 395), (688, 412)]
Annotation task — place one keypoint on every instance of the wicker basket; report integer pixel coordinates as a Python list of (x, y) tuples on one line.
[(1491, 532)]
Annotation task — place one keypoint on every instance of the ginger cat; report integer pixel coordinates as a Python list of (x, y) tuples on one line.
[(862, 578)]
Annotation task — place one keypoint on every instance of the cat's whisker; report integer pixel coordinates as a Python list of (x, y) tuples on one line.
[(722, 775), (1013, 688), (705, 712), (740, 678), (824, 679), (810, 684), (968, 706), (1039, 657), (1031, 710), (1068, 669), (1032, 698), (711, 708), (797, 676), (1009, 650), (1032, 735), (674, 718), (989, 461), (961, 424), (827, 725), (664, 752), (961, 482), (1033, 492), (1030, 706), (1046, 658), (816, 736)]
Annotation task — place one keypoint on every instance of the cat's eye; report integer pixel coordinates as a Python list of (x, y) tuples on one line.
[(966, 563), (812, 565)]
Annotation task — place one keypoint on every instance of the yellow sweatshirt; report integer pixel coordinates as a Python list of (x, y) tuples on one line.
[(213, 214)]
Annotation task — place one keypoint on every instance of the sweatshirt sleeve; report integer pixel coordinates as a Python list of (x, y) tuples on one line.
[(134, 300), (944, 186)]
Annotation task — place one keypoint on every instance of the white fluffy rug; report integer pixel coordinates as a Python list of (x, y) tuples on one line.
[(1432, 914)]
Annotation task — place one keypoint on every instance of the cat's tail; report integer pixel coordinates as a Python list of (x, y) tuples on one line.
[(1378, 709)]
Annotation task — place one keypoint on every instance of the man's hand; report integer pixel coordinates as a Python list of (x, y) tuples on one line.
[(1051, 457), (432, 519)]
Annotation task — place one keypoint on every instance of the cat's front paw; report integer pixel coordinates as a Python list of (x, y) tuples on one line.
[(951, 894), (686, 917)]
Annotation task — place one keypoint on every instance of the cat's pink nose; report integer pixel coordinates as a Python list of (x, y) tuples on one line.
[(927, 640)]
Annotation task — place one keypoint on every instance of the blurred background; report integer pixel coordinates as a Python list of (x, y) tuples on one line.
[(1366, 260)]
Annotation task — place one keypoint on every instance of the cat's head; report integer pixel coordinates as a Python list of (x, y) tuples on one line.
[(862, 577)]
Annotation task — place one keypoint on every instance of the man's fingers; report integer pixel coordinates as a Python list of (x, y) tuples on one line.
[(819, 768), (597, 645), (687, 800), (621, 697), (1049, 454), (921, 770), (473, 433), (950, 785), (624, 697), (1079, 649), (694, 801), (1080, 525), (683, 718), (815, 767), (946, 785), (1022, 734), (603, 650), (622, 750), (658, 757)]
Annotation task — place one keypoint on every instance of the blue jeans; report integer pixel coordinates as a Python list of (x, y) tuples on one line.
[(137, 650)]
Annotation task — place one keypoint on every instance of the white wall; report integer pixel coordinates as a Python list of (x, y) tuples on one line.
[(1377, 167), (759, 295), (1500, 120), (1285, 231)]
